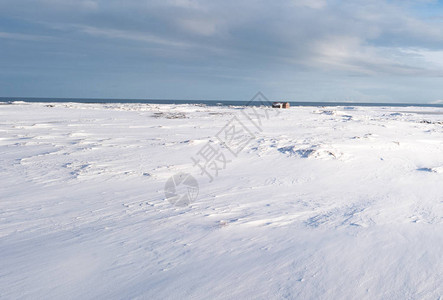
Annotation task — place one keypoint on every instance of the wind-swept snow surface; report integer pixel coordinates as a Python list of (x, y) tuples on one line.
[(321, 203)]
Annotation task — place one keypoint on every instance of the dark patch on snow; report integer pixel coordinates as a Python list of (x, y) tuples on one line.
[(426, 170), (304, 153)]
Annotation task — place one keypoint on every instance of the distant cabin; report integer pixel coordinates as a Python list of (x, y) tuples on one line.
[(280, 104)]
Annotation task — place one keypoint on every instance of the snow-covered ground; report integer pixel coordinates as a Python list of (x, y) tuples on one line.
[(320, 203)]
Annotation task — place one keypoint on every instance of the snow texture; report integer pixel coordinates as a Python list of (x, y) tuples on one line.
[(322, 203)]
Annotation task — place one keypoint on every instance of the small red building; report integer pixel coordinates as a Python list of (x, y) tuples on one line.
[(280, 104)]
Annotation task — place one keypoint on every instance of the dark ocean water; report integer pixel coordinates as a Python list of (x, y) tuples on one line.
[(208, 102)]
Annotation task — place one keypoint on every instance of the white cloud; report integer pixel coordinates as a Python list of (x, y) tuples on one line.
[(199, 27), (431, 57), (184, 3), (129, 35), (23, 37), (315, 4), (72, 4), (367, 37)]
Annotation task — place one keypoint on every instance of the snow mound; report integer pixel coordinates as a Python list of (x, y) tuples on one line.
[(431, 170), (309, 152), (326, 112)]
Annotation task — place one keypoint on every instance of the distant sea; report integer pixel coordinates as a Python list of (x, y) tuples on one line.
[(207, 102)]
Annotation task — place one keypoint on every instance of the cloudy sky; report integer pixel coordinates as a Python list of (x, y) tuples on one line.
[(300, 50)]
